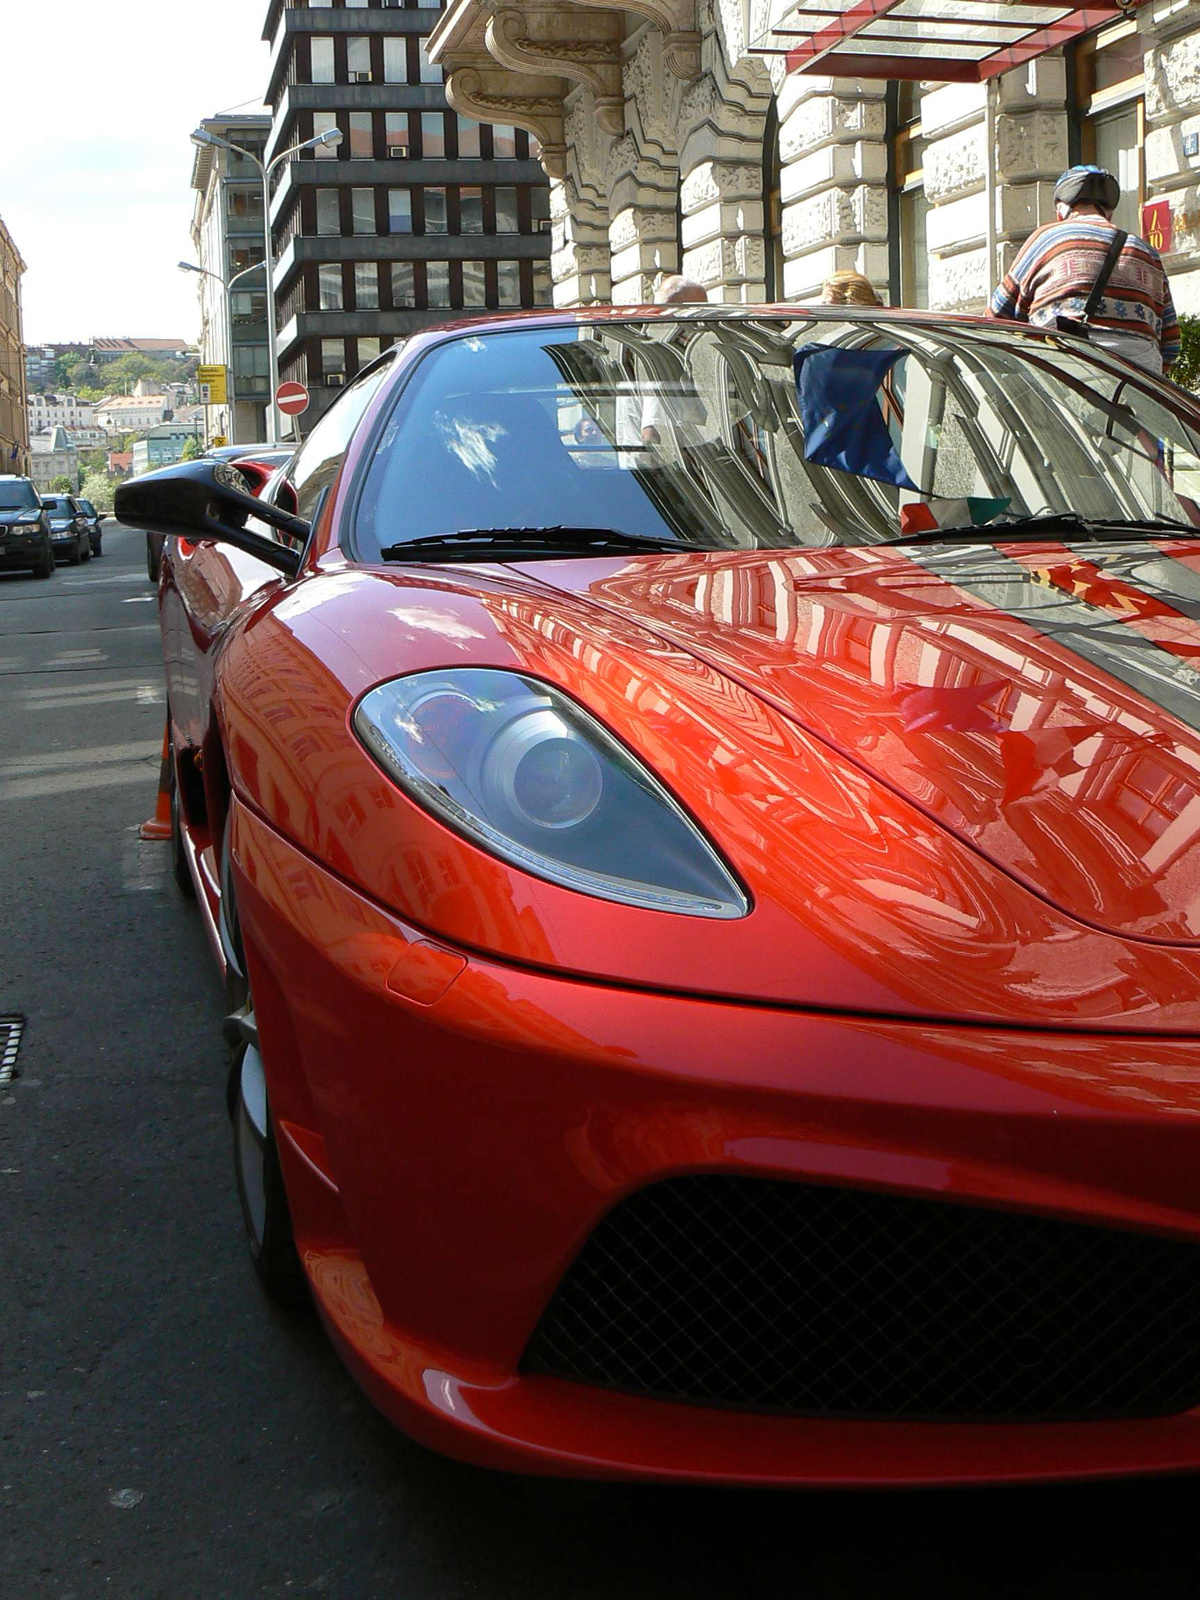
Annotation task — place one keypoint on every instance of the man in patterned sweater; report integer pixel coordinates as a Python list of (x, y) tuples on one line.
[(1058, 265)]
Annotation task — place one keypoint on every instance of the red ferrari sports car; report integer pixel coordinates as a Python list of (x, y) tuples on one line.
[(698, 812)]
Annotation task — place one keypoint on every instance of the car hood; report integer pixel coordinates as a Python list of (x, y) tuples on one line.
[(8, 518), (952, 788), (1041, 703)]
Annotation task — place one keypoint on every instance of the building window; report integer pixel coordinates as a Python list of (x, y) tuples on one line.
[(329, 218), (362, 136), (433, 136), (543, 284), (368, 351), (1110, 113), (366, 286), (474, 284), (404, 293), (508, 281), (773, 206), (330, 282), (333, 357), (428, 72), (539, 209), (504, 143), (324, 122), (468, 140), (435, 211), (910, 248), (396, 133), (437, 283), (358, 59), (400, 211), (470, 210), (506, 211), (395, 58), (322, 60), (362, 205)]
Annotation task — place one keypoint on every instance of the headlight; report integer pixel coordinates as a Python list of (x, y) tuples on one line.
[(521, 770)]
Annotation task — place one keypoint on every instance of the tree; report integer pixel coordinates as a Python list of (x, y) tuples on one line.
[(61, 485), (193, 449), (99, 489)]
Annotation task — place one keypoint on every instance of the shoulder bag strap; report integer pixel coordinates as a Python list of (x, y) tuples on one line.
[(1106, 271)]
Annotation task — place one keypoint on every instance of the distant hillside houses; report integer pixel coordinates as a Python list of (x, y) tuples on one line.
[(131, 413)]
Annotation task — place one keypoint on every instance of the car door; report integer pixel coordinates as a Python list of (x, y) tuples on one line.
[(208, 587)]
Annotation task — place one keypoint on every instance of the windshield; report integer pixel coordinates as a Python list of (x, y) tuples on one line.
[(86, 505), (19, 496), (57, 506), (769, 432)]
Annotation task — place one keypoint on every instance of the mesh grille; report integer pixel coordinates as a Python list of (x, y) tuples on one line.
[(791, 1297)]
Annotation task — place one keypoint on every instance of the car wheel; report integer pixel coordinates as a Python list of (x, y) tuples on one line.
[(265, 1213), (153, 561), (74, 555), (85, 552), (45, 567), (98, 548)]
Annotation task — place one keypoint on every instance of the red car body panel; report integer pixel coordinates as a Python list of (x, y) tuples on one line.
[(970, 970)]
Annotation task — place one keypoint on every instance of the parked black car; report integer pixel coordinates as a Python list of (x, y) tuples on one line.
[(24, 528), (94, 519), (68, 528)]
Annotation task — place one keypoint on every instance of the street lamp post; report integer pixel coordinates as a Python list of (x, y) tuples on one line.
[(227, 286), (332, 136)]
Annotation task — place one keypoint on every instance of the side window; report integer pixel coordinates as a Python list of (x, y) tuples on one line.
[(321, 454)]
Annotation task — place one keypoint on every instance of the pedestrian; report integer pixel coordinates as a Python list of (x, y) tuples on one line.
[(677, 290), (848, 288), (1083, 274)]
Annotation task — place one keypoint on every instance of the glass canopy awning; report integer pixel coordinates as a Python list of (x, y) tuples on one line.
[(956, 41)]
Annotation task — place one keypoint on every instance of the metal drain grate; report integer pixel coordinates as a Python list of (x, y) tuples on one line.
[(11, 1029)]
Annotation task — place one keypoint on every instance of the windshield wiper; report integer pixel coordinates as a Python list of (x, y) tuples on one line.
[(468, 543), (1049, 523)]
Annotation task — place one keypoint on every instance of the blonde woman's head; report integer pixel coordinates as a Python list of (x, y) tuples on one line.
[(848, 288)]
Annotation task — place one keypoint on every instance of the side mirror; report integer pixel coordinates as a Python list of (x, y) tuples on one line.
[(208, 500)]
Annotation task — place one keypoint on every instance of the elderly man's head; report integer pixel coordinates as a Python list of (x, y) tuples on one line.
[(680, 291)]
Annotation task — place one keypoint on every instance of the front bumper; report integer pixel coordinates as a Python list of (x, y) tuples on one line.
[(452, 1130), (22, 550)]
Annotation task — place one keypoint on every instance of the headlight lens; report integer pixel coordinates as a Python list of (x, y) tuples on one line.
[(521, 770)]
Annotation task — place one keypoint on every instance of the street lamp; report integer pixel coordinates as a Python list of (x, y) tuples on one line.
[(227, 287), (331, 136)]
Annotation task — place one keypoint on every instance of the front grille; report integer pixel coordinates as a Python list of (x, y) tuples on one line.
[(792, 1297)]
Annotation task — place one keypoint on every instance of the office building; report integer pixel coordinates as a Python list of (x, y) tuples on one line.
[(227, 231), (419, 215)]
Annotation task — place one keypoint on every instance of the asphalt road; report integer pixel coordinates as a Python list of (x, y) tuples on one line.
[(164, 1433)]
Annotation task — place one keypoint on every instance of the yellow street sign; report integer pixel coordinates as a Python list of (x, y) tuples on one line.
[(217, 440), (214, 387)]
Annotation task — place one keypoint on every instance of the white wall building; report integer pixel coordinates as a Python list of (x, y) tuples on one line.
[(130, 413), (673, 143), (59, 411), (52, 455)]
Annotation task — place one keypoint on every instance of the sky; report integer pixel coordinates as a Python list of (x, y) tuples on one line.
[(96, 108)]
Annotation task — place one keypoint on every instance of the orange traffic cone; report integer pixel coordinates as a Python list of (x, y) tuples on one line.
[(159, 825)]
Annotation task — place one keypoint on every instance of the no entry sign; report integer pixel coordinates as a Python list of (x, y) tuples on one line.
[(291, 398)]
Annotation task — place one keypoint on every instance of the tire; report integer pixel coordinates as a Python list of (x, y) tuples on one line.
[(45, 567), (75, 558), (85, 553), (266, 1216), (98, 548), (153, 561)]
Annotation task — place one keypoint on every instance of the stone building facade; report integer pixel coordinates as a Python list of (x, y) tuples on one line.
[(672, 144), (14, 421)]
